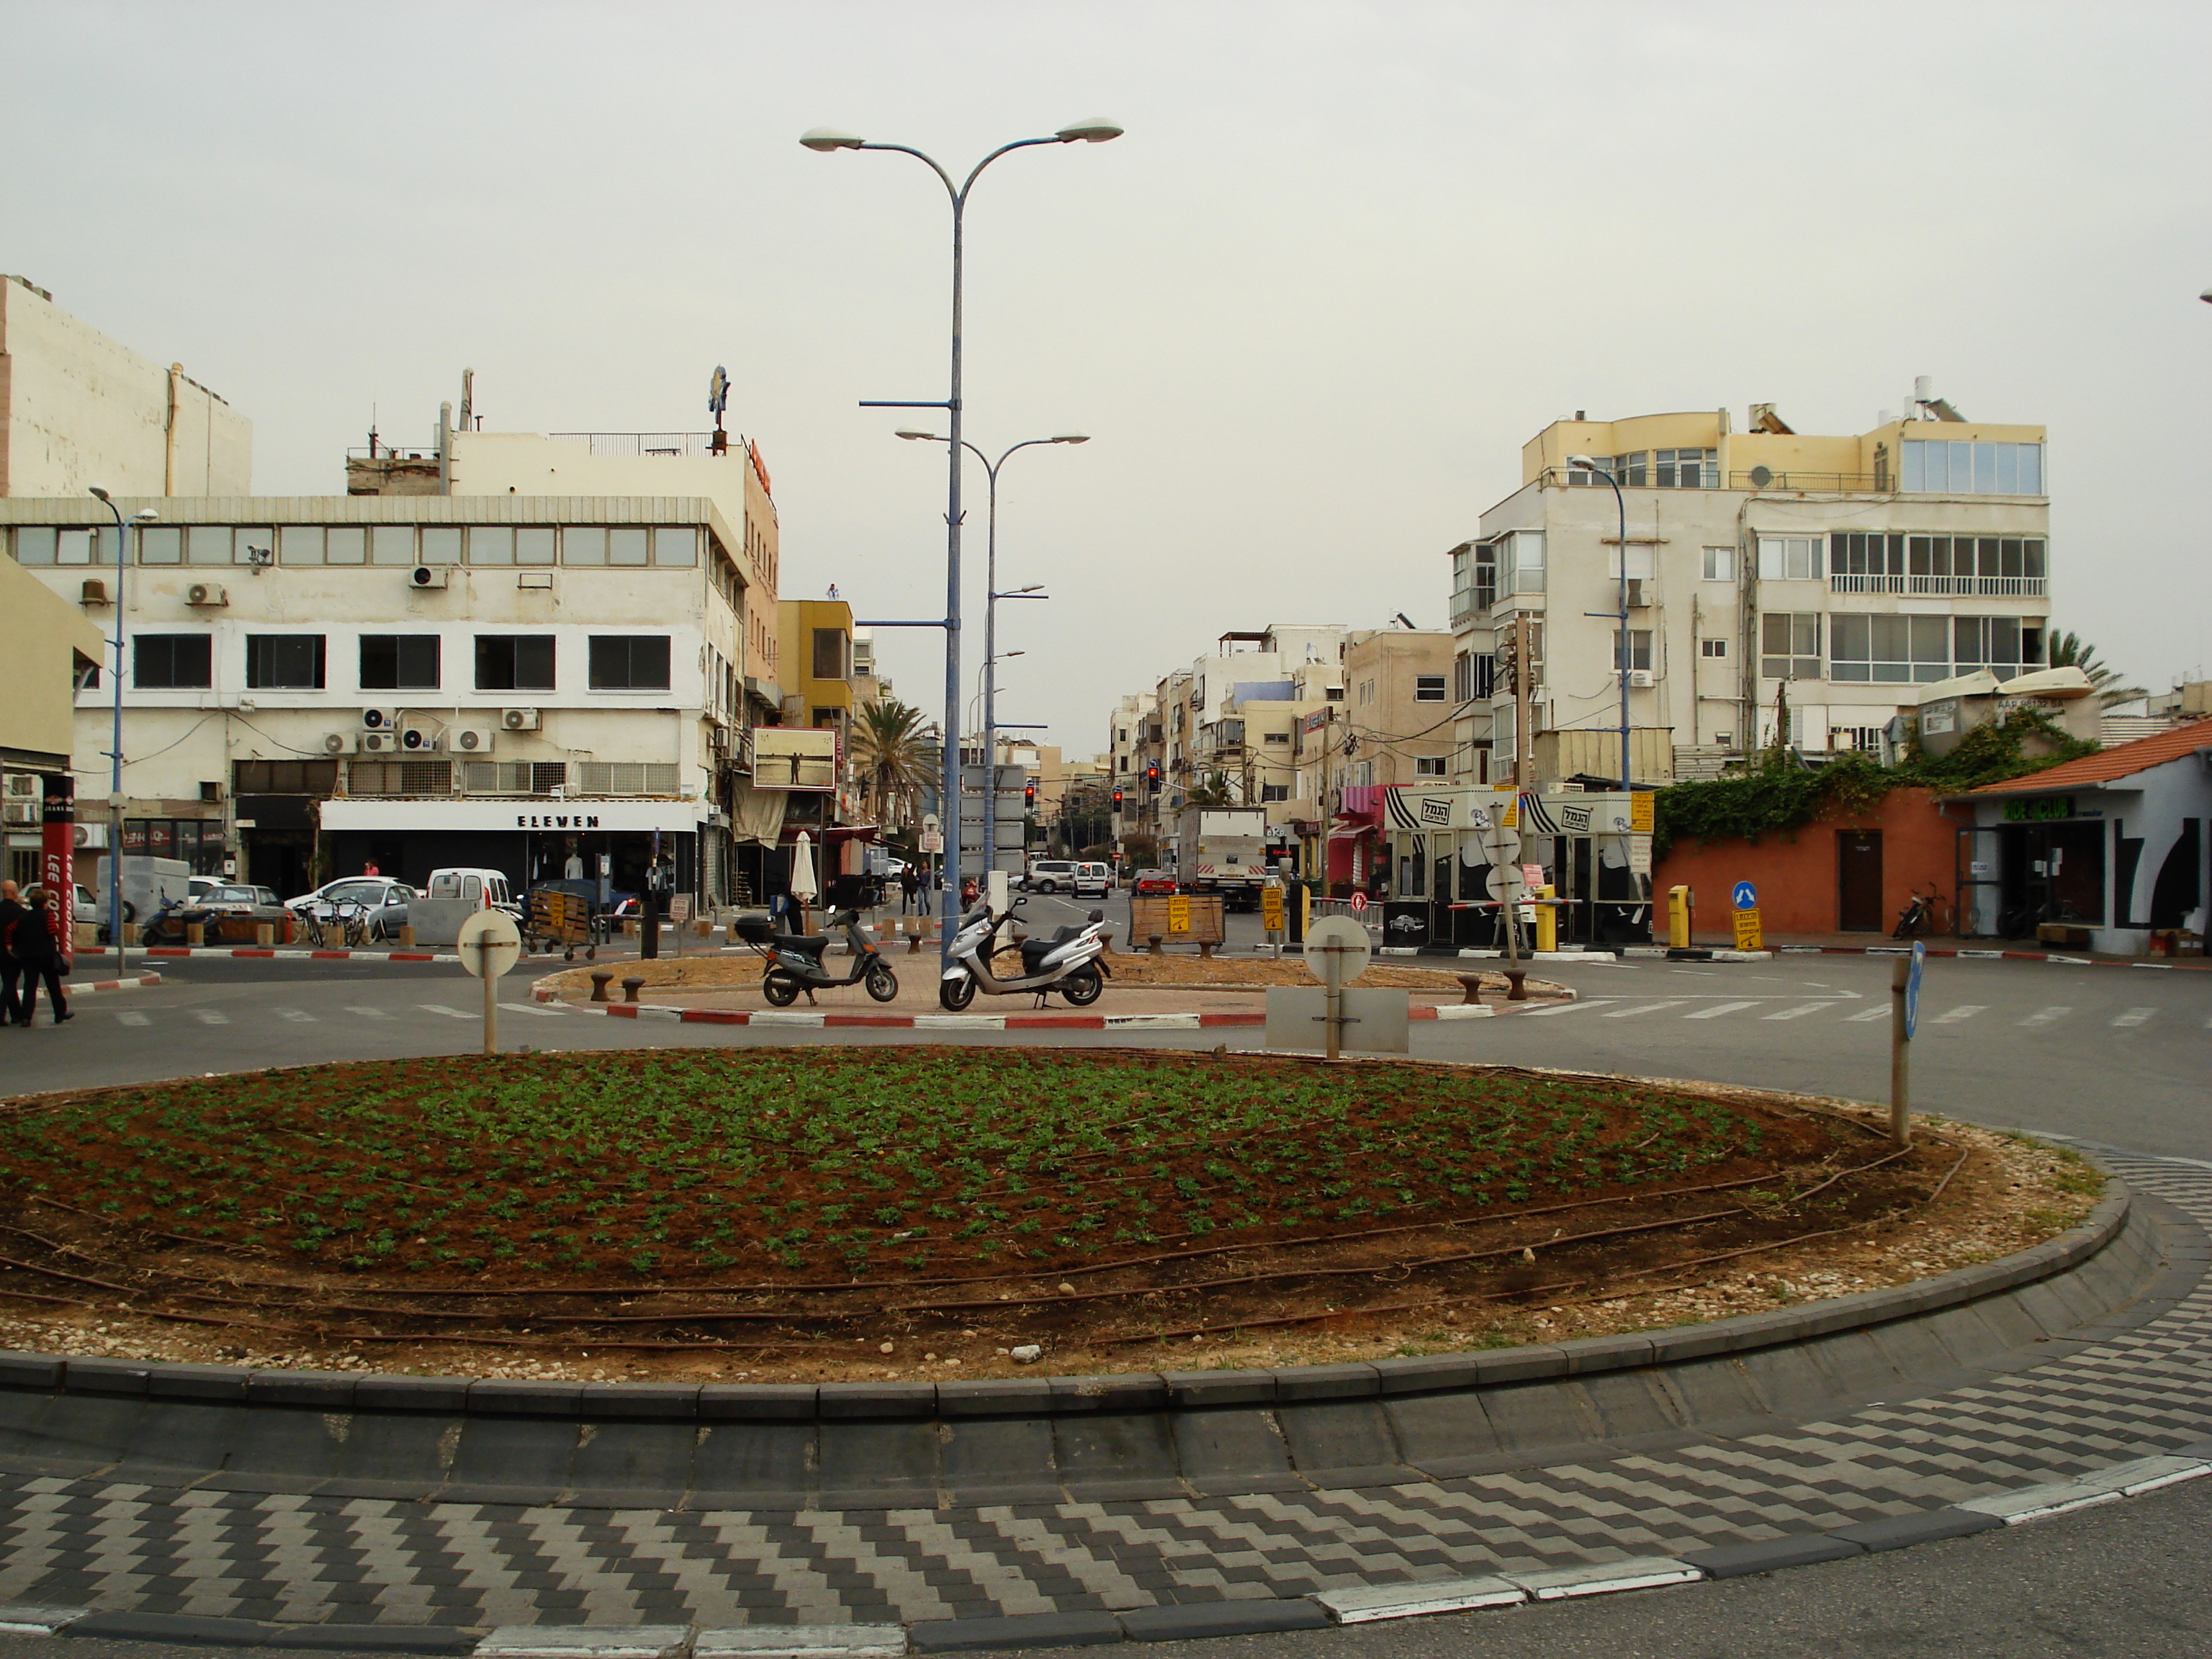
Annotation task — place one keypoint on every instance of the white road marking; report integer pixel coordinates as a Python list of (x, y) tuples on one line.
[(210, 1017), (1870, 1013), (1640, 1008), (1802, 1008), (536, 1008), (450, 1013), (132, 1018), (1963, 1012), (1554, 1011), (300, 1015), (2133, 1016), (370, 1013), (2046, 1016), (1717, 1012)]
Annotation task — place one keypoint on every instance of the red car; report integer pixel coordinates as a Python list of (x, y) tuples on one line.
[(1156, 883)]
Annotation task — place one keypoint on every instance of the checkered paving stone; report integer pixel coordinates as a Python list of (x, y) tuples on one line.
[(307, 1558)]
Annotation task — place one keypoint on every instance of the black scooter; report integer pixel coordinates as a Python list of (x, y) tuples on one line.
[(795, 961)]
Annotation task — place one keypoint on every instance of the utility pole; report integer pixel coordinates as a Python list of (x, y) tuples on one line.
[(1521, 703)]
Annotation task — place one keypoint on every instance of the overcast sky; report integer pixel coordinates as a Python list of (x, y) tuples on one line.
[(1346, 260)]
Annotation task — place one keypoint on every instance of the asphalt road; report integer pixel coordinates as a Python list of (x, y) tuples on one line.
[(2109, 1054)]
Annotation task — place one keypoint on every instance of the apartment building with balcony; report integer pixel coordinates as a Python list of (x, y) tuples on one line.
[(1826, 576), (316, 683)]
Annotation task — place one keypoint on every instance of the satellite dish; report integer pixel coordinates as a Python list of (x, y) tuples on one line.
[(1761, 476), (718, 390)]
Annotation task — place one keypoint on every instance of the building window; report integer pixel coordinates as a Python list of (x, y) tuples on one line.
[(1892, 650), (1274, 737), (284, 662), (514, 662), (1485, 575), (676, 546), (399, 662), (300, 543), (1521, 562), (1474, 676), (629, 662), (1334, 693), (1685, 469), (408, 777), (92, 546), (491, 543), (583, 545), (2003, 645), (626, 546), (1861, 562), (1712, 648), (345, 544), (1274, 792), (1973, 469), (1428, 766), (1428, 688), (1640, 562), (441, 544), (1981, 565), (628, 777), (1790, 645), (830, 653), (287, 777), (1720, 564), (1640, 650), (1789, 558), (172, 662), (392, 543), (1861, 739)]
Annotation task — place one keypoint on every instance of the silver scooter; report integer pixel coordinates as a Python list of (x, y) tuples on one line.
[(1068, 962)]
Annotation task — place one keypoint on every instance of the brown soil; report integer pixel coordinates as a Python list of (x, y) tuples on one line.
[(1823, 1208)]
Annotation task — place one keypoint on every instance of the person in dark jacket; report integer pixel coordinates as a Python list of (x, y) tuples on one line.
[(12, 911), (38, 952)]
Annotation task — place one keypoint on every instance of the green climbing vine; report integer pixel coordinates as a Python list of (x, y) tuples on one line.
[(1779, 794)]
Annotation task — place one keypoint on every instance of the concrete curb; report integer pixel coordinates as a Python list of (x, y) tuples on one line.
[(826, 1019), (281, 953), (74, 989)]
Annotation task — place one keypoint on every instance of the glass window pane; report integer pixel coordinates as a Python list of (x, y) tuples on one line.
[(1931, 641), (300, 543), (1988, 560), (491, 543), (534, 545), (1914, 471), (345, 544), (2008, 469), (676, 546), (159, 544), (1985, 469), (2004, 641), (441, 544), (392, 543), (586, 545), (1966, 642), (248, 542), (2030, 469), (34, 543), (2008, 556), (2031, 559), (206, 544), (626, 546)]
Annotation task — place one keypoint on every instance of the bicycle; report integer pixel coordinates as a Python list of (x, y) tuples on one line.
[(1918, 916)]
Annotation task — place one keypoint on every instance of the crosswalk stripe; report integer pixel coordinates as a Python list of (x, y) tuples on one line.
[(1802, 1008), (1963, 1012), (370, 1013), (2133, 1016), (300, 1016), (1558, 1009), (1722, 1008), (441, 1008), (2046, 1016), (132, 1016), (1869, 1013), (210, 1017), (1640, 1008), (535, 1008)]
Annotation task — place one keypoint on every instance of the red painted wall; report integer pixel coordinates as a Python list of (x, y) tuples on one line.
[(1796, 874)]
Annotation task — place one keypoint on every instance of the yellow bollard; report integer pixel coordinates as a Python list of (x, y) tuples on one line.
[(1678, 918), (1548, 918)]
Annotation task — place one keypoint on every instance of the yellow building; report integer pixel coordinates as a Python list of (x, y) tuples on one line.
[(52, 646)]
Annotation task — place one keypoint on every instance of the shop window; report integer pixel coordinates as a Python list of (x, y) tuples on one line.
[(629, 662), (399, 662), (284, 662), (172, 662), (514, 662)]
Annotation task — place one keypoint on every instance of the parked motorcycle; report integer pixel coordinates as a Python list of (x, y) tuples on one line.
[(796, 962), (1068, 962)]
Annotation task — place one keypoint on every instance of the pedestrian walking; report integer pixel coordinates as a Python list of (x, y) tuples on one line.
[(37, 949), (12, 910), (910, 887)]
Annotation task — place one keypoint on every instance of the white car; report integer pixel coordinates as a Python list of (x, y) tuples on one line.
[(1050, 876), (384, 900)]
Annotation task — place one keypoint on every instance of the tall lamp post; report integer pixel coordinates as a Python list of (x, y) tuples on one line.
[(991, 598), (145, 515), (823, 140), (1620, 508)]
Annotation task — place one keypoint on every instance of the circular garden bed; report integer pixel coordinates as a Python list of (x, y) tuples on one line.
[(832, 1213)]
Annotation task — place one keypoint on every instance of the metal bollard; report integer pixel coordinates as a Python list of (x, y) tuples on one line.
[(1513, 977), (265, 933), (1155, 950), (631, 985), (1471, 984), (600, 976), (196, 933), (406, 935)]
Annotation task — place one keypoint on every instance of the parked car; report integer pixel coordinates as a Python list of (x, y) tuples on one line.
[(1155, 884), (202, 885), (384, 900), (1093, 881), (230, 912), (1050, 876)]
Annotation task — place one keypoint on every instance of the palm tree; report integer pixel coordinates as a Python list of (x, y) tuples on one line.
[(2072, 651), (895, 751)]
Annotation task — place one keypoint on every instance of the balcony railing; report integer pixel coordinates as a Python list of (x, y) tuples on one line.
[(1988, 588), (626, 445), (1825, 484)]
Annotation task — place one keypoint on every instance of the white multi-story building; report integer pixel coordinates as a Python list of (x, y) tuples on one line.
[(1766, 569), (319, 683)]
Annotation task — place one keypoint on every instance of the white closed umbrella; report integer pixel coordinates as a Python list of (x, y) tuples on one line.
[(803, 884)]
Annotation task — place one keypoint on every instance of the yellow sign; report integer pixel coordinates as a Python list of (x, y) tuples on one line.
[(1640, 811), (1505, 810), (1179, 915), (1747, 935), (1270, 909)]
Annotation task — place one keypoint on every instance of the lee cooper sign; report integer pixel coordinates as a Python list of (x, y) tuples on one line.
[(57, 855)]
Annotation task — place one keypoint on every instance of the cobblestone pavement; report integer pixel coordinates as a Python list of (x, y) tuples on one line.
[(300, 1557)]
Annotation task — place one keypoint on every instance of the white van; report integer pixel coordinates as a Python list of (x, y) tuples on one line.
[(452, 897)]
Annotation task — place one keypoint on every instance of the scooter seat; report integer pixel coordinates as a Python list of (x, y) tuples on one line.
[(807, 945), (1035, 951)]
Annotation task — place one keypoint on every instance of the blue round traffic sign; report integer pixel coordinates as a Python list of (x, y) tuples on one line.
[(1913, 989), (1746, 895)]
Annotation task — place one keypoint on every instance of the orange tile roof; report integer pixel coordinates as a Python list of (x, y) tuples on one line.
[(2108, 764)]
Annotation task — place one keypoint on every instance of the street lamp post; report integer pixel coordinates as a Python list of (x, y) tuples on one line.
[(1620, 508), (991, 598), (823, 140), (115, 736)]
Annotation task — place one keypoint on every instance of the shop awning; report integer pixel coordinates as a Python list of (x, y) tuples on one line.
[(536, 815)]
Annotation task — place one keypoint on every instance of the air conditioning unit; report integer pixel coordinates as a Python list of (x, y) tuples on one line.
[(471, 740), (419, 739), (379, 743), (718, 740), (519, 720), (21, 786), (430, 575), (341, 742), (19, 812), (1637, 599), (207, 593), (94, 591), (379, 719), (1640, 678)]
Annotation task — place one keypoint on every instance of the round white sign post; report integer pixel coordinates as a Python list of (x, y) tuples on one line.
[(1337, 952), (490, 944)]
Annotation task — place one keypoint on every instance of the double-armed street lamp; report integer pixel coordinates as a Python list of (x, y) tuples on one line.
[(144, 515), (991, 598), (825, 140)]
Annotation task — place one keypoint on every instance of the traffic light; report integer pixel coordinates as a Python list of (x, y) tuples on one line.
[(1029, 797), (1153, 774), (1117, 801)]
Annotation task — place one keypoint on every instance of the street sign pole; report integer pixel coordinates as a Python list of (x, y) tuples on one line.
[(490, 944), (1905, 1015), (484, 948)]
